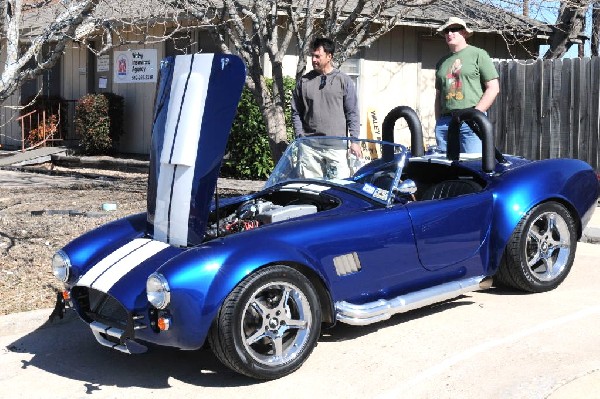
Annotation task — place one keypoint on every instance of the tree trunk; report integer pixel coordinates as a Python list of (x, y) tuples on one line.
[(272, 107), (275, 121), (569, 25), (595, 39)]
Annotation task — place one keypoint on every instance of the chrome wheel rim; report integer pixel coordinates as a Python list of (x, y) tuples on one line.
[(548, 246), (276, 323)]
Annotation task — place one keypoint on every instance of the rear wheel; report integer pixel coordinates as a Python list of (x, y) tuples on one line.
[(540, 253), (268, 325)]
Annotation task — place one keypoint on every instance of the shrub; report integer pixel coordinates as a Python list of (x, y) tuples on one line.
[(249, 155), (57, 111), (43, 131), (99, 122)]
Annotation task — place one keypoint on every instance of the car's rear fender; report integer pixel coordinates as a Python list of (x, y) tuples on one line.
[(570, 182)]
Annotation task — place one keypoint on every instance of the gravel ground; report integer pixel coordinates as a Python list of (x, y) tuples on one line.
[(35, 222)]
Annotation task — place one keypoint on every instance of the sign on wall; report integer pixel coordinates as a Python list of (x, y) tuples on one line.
[(135, 66), (102, 63)]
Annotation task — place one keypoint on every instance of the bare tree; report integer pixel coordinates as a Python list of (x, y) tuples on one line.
[(17, 65), (255, 28), (34, 33), (595, 39), (569, 19), (570, 23)]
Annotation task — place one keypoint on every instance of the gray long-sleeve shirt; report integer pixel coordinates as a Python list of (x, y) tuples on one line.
[(328, 107)]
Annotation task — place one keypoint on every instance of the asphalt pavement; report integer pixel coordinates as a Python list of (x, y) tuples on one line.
[(488, 344)]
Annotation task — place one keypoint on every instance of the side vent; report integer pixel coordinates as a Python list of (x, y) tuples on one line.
[(346, 264)]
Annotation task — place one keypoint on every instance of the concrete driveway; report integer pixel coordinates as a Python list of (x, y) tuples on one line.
[(493, 344)]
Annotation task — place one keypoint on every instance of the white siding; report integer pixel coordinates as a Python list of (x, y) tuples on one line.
[(74, 76), (74, 72), (139, 103), (10, 131)]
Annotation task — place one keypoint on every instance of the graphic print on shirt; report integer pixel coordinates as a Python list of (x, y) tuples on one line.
[(454, 83)]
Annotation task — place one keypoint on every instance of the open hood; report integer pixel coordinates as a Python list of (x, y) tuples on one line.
[(196, 101)]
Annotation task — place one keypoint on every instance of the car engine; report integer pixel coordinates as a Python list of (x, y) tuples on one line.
[(255, 213)]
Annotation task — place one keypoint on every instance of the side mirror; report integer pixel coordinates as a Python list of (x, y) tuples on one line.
[(407, 187)]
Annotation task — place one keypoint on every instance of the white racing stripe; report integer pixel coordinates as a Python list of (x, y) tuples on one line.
[(171, 224), (97, 270), (111, 269), (178, 157)]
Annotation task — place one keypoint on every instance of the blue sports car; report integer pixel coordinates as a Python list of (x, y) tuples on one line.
[(334, 236)]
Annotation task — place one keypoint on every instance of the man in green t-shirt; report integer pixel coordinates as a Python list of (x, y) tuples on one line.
[(465, 78)]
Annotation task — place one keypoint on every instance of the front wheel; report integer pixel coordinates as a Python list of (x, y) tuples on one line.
[(268, 325), (540, 253)]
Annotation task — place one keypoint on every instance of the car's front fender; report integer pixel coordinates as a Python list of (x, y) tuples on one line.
[(88, 249), (201, 278)]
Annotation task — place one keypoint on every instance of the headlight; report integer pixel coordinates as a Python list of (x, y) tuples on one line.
[(158, 291), (60, 266)]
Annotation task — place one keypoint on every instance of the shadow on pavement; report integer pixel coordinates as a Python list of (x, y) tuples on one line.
[(68, 349), (342, 332)]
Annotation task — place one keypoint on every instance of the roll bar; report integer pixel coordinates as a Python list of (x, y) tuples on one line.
[(482, 126), (414, 125), (476, 119)]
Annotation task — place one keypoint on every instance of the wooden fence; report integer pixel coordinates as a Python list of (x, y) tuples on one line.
[(549, 109)]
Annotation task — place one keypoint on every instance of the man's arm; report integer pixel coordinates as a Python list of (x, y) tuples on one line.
[(351, 109), (296, 105), (492, 88), (437, 106)]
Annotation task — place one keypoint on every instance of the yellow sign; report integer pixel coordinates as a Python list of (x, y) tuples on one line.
[(371, 150)]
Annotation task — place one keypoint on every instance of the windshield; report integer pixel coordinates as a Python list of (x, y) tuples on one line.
[(371, 168)]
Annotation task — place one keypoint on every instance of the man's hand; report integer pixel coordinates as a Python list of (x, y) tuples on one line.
[(355, 149)]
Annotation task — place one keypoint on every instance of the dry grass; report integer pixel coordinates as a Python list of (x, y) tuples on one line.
[(28, 241)]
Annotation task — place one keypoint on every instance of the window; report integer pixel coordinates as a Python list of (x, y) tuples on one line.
[(180, 43), (351, 67)]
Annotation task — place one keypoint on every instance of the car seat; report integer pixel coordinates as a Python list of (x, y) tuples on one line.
[(450, 188)]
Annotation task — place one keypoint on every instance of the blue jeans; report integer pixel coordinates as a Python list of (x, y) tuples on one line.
[(469, 141)]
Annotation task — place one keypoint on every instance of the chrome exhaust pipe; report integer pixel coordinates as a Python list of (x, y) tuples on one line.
[(372, 312), (113, 338)]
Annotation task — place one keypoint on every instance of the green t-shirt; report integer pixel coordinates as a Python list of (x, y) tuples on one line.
[(460, 77)]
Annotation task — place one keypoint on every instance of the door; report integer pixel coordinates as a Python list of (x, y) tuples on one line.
[(450, 230)]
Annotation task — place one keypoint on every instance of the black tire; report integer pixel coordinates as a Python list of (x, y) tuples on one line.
[(541, 250), (268, 325)]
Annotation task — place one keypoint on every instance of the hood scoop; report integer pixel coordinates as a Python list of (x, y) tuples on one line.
[(196, 102)]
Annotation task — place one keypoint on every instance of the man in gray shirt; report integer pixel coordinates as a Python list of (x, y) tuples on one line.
[(324, 103)]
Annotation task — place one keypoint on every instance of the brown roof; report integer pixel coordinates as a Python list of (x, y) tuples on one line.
[(480, 17)]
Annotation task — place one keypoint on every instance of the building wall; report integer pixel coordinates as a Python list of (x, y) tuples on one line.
[(398, 69), (393, 76), (139, 102), (10, 132), (139, 97), (74, 83), (74, 72)]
